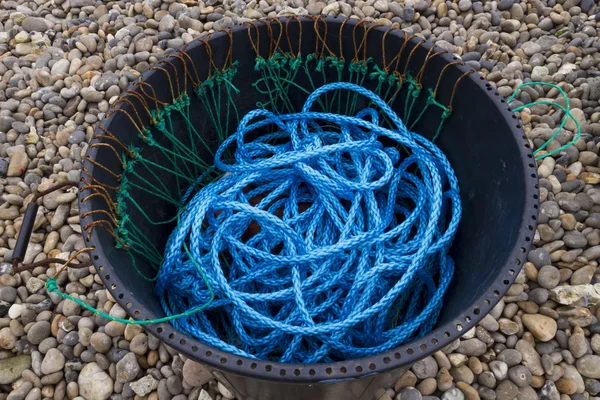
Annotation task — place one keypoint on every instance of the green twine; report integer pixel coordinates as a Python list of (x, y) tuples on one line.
[(566, 110), (52, 287)]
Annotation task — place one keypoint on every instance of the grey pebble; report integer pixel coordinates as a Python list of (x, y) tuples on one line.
[(548, 210), (71, 338), (101, 342), (8, 294), (53, 362), (20, 392), (38, 332), (548, 277), (573, 186), (499, 369), (549, 391), (575, 240), (453, 394), (578, 345), (410, 393), (426, 368), (540, 256), (409, 14), (592, 386), (76, 137), (464, 5), (163, 391), (507, 390), (520, 376), (510, 356), (174, 385), (472, 347), (127, 368), (107, 80), (504, 5), (35, 24), (487, 379)]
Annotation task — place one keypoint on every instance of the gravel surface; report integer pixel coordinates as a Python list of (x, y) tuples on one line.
[(63, 62)]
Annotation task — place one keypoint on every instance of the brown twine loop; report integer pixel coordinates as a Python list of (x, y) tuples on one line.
[(398, 56), (104, 224), (97, 182), (185, 72), (142, 99), (456, 85), (78, 252), (277, 43), (196, 82), (340, 40), (114, 110), (270, 33), (322, 38), (111, 136), (366, 41), (99, 165), (442, 74), (419, 76), (228, 63), (141, 85), (159, 68), (108, 201), (97, 189), (176, 76), (124, 99), (361, 23), (111, 217), (383, 53), (287, 33), (410, 56), (211, 65), (315, 22), (255, 45), (102, 144)]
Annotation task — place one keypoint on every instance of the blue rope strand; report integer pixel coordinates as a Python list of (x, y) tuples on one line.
[(317, 237)]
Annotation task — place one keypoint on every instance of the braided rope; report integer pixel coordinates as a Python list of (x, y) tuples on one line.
[(319, 242)]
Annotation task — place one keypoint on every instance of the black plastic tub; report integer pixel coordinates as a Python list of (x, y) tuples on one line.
[(482, 139)]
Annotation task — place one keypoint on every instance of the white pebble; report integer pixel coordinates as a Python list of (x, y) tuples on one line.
[(545, 170), (576, 168), (224, 391), (470, 334), (556, 186), (15, 311)]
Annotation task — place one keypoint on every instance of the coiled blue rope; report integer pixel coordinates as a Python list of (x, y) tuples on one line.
[(321, 241)]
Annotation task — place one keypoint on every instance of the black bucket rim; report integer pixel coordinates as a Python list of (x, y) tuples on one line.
[(401, 356)]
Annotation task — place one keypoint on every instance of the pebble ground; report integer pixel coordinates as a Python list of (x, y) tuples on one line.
[(63, 62)]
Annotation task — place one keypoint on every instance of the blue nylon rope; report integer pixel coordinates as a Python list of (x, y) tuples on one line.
[(320, 242)]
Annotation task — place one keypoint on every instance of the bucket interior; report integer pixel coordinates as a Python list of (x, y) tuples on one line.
[(482, 140)]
